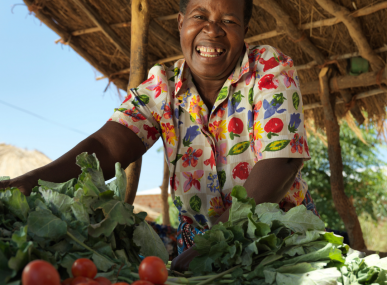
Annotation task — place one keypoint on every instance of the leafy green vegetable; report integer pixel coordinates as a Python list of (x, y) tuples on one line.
[(61, 222), (261, 244)]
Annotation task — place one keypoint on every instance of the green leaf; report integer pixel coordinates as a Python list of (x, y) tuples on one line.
[(241, 205), (277, 145), (115, 212), (22, 257), (118, 186), (326, 276), (256, 229), (297, 238), (106, 250), (44, 224), (63, 188), (3, 178), (80, 212), (239, 148), (251, 94), (196, 203), (296, 100), (222, 94), (19, 237), (56, 202), (16, 203), (91, 178), (5, 272), (267, 208), (298, 219), (149, 242)]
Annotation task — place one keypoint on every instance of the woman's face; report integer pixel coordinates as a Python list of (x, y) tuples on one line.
[(211, 36)]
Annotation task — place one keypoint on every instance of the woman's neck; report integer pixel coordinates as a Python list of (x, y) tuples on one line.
[(208, 89)]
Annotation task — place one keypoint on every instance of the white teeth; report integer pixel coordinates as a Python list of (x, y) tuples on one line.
[(209, 49)]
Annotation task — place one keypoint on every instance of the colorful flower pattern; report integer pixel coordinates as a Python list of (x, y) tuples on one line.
[(257, 115)]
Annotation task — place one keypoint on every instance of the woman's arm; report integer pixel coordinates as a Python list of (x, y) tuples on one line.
[(112, 143), (269, 181)]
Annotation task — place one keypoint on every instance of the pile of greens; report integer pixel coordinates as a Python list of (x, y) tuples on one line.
[(261, 244), (84, 217)]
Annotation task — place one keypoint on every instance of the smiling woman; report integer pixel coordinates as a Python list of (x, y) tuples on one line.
[(214, 111)]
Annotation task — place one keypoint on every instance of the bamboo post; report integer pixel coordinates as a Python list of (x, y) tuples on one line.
[(343, 204), (138, 66), (164, 194)]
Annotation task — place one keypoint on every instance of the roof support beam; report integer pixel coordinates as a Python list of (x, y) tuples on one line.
[(355, 31), (139, 64), (358, 96), (285, 24), (343, 204), (347, 81), (73, 43), (104, 27)]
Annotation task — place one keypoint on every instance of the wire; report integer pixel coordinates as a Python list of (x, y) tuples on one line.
[(42, 118)]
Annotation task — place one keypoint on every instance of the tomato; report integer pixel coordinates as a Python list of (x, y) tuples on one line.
[(81, 279), (103, 281), (67, 281), (84, 267), (141, 282), (274, 125), (153, 269), (40, 272)]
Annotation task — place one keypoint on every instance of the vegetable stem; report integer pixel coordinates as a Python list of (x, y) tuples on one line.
[(218, 276)]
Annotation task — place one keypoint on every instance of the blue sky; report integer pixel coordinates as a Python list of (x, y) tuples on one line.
[(54, 82)]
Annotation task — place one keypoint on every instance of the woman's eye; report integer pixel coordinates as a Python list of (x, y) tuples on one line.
[(199, 17), (228, 22)]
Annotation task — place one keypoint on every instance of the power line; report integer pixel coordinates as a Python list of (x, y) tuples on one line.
[(42, 118)]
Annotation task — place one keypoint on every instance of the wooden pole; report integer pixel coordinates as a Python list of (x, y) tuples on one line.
[(164, 194), (138, 66), (343, 204)]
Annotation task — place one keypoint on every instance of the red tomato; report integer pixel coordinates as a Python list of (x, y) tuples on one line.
[(103, 281), (141, 282), (235, 126), (80, 279), (40, 272), (84, 267), (67, 281), (153, 269)]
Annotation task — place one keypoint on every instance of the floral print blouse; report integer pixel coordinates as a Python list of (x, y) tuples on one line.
[(257, 115)]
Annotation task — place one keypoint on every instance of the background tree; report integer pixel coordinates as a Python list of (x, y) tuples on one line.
[(365, 178)]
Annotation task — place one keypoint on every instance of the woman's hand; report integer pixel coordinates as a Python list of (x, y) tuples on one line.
[(24, 183), (181, 262)]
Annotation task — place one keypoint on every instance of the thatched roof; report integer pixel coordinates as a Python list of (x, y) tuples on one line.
[(285, 24), (15, 161)]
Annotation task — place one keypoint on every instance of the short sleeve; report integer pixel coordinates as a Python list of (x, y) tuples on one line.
[(278, 129), (141, 110)]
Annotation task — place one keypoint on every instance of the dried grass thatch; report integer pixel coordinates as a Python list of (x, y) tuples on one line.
[(329, 40), (16, 161)]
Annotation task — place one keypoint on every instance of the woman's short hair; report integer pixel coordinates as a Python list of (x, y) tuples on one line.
[(247, 9)]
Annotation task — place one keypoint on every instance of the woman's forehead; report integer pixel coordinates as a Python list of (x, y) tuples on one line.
[(225, 7)]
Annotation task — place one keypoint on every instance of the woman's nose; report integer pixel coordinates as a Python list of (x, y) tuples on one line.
[(213, 30)]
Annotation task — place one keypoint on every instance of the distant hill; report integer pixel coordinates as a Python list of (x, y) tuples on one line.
[(15, 161)]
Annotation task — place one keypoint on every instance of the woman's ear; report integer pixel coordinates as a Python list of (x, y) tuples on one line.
[(180, 19)]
